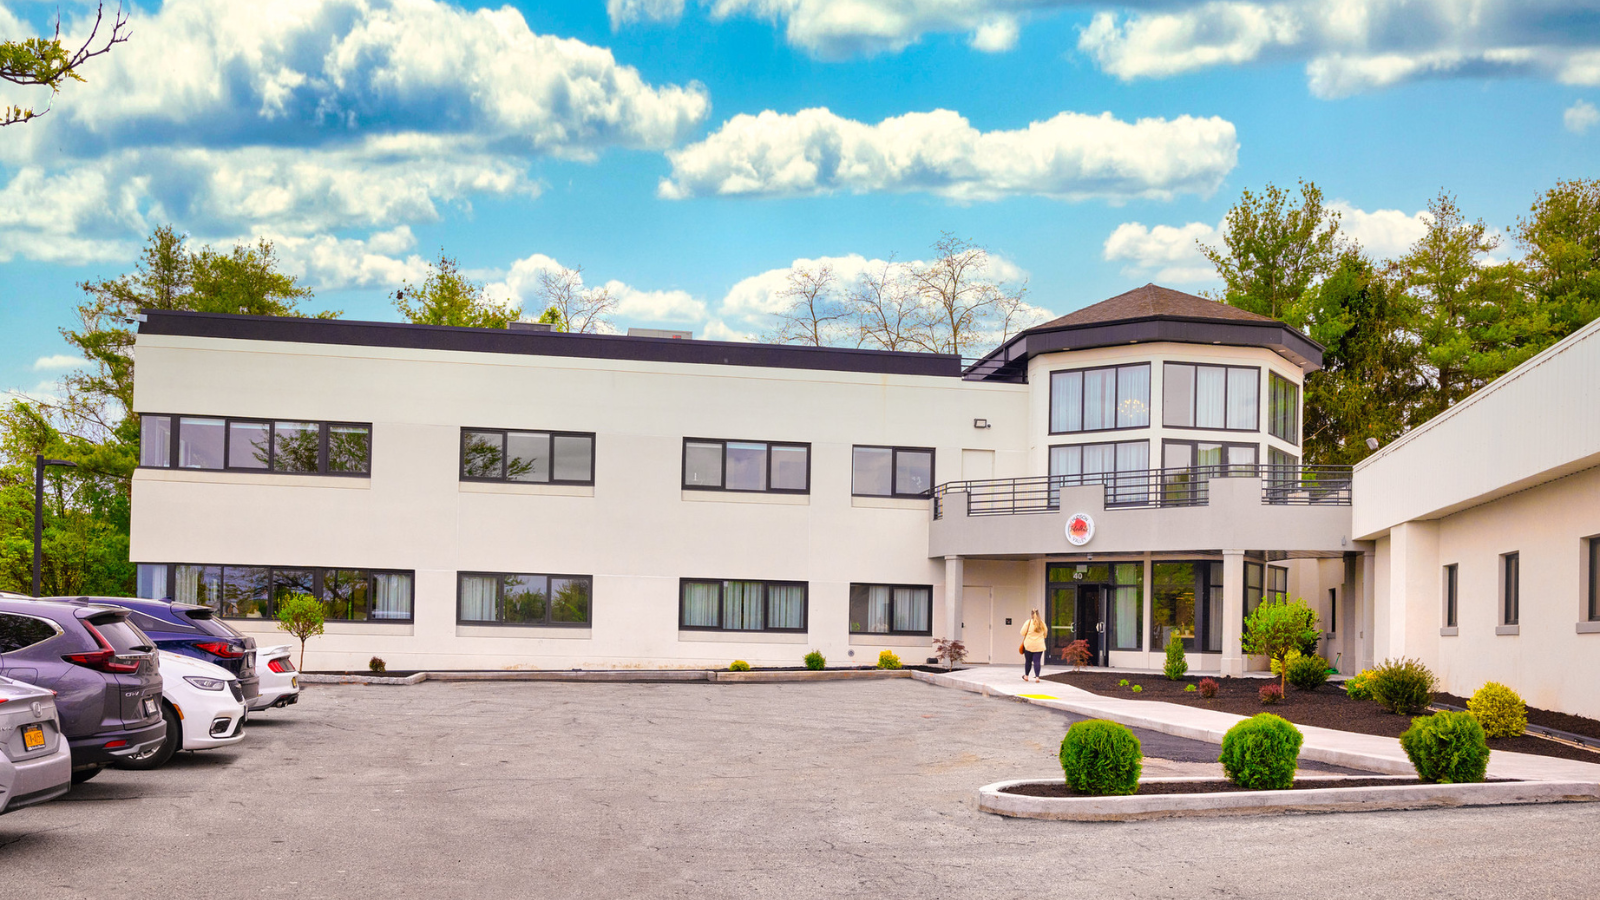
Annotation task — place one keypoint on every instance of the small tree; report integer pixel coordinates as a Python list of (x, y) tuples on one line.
[(952, 652), (1277, 629), (302, 616), (1076, 654), (1177, 665)]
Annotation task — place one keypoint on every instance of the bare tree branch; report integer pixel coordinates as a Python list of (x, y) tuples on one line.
[(571, 307), (815, 316), (36, 62)]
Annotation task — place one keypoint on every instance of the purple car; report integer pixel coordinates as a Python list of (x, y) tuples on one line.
[(104, 670)]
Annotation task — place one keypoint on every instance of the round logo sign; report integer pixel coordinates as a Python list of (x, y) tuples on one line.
[(1080, 528)]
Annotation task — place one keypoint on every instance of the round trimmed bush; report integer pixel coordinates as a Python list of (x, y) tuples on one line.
[(1308, 672), (1102, 758), (1261, 752), (1404, 686), (888, 660), (1499, 710), (1447, 748), (815, 660), (738, 665)]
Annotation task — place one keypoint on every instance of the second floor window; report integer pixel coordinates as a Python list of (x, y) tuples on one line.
[(533, 457), (1100, 399), (1283, 408), (717, 465), (1224, 398), (263, 445), (891, 471)]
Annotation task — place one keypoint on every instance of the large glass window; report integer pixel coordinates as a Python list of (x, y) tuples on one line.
[(1283, 408), (1186, 600), (509, 598), (711, 605), (532, 457), (1224, 398), (1100, 399), (251, 592), (200, 443), (1123, 465), (324, 448), (1214, 457), (891, 609), (1510, 588), (758, 466), (1127, 605), (891, 471), (1277, 584)]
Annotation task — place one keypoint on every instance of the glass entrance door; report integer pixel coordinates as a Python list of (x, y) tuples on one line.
[(1075, 610), (1089, 622)]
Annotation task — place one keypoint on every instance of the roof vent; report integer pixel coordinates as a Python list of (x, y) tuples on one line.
[(531, 326), (661, 333)]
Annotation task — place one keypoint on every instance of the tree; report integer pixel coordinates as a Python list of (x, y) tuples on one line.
[(571, 307), (1273, 251), (885, 309), (960, 299), (448, 297), (1278, 628), (1560, 242), (814, 316), (41, 62), (302, 616)]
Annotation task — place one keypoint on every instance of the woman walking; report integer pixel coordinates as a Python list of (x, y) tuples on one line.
[(1033, 632)]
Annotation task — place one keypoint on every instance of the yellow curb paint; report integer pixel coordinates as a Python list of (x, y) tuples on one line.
[(1039, 696)]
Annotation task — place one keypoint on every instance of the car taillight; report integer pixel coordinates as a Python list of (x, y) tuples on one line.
[(281, 665), (220, 648), (105, 659)]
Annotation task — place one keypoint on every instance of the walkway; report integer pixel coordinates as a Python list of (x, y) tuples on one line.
[(1341, 748)]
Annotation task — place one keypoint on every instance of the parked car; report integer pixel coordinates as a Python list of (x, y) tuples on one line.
[(280, 681), (203, 708), (35, 762), (104, 670), (190, 630)]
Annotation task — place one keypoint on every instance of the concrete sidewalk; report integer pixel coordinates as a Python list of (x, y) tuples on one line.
[(1341, 748)]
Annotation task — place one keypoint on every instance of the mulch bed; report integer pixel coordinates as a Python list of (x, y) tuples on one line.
[(1060, 789), (1326, 707), (1542, 717)]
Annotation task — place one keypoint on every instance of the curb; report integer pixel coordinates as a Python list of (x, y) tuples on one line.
[(362, 679), (824, 675), (991, 799), (618, 676)]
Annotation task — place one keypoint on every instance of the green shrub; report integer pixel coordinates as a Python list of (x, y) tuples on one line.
[(887, 660), (815, 660), (738, 665), (1308, 672), (1176, 666), (1101, 757), (1359, 685), (1499, 710), (1122, 683), (1138, 688), (1189, 689), (1447, 747), (1403, 686), (1261, 752), (377, 665), (1278, 629)]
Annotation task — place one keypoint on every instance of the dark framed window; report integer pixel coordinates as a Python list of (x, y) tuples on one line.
[(1333, 610), (1283, 408), (891, 609), (1254, 585), (1219, 398), (891, 471), (1450, 595), (1100, 399), (1594, 579), (1125, 608), (531, 457), (1075, 464), (18, 631), (1277, 583), (521, 598), (1186, 600), (284, 446), (1510, 588), (713, 464), (1213, 455), (252, 592), (707, 604)]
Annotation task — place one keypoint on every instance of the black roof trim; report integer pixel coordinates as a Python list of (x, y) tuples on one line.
[(536, 343), (1009, 361)]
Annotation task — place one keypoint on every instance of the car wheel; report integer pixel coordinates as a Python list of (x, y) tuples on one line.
[(156, 758), (79, 776)]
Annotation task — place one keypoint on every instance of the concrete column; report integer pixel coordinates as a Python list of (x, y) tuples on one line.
[(954, 574), (1232, 612), (1369, 587)]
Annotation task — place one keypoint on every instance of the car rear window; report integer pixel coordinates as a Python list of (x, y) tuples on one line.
[(209, 624), (148, 624), (121, 634)]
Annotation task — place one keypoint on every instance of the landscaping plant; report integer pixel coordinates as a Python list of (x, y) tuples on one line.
[(1499, 710), (1260, 753), (1208, 687), (1176, 666), (815, 660), (1271, 693), (888, 660), (302, 616), (1122, 682), (1308, 672), (377, 665), (1403, 686), (1447, 748), (1188, 689), (1359, 685), (738, 665), (1277, 628), (1102, 758), (1076, 654), (952, 652), (1137, 688)]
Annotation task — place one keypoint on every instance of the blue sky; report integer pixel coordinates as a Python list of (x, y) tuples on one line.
[(364, 135)]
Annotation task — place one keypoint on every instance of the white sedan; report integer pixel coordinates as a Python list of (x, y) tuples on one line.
[(35, 763), (203, 705), (280, 683)]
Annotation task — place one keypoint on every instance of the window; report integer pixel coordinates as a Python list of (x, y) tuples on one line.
[(1450, 596), (891, 471), (1283, 408), (1594, 579), (718, 465), (286, 446), (532, 457), (1333, 610), (1126, 608), (1217, 457), (251, 592), (1100, 399), (891, 609), (488, 598), (709, 605), (1186, 600), (1510, 566), (1217, 397), (1277, 584), (1254, 586), (17, 632), (1122, 465)]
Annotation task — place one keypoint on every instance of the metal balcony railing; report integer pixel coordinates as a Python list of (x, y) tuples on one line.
[(1150, 488)]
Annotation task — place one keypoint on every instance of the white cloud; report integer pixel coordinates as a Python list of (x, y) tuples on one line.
[(717, 330), (325, 262), (520, 285), (58, 361), (622, 12), (837, 29), (1383, 233), (996, 35), (1071, 156), (1580, 117)]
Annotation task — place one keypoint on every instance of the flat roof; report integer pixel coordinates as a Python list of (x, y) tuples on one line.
[(545, 343)]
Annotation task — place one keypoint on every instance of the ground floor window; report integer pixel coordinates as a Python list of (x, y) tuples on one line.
[(713, 605), (891, 609), (521, 598), (1254, 586), (1510, 587), (1126, 608), (252, 592), (1450, 595), (1594, 579), (1278, 584), (1186, 600)]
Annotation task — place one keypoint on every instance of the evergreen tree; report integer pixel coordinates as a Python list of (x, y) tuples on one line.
[(1560, 241), (448, 297)]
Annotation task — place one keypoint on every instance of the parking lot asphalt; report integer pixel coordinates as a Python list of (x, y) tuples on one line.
[(840, 789)]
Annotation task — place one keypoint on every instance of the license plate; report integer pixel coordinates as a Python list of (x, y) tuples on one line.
[(32, 737), (149, 706)]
